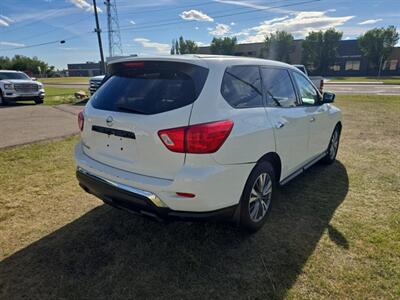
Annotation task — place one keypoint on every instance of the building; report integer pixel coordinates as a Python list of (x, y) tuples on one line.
[(350, 61), (88, 69)]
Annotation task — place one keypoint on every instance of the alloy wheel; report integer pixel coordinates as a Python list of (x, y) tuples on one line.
[(334, 144), (260, 197)]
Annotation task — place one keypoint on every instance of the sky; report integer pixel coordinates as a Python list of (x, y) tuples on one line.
[(148, 27)]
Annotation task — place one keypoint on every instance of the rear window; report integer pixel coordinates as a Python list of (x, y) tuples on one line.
[(150, 87)]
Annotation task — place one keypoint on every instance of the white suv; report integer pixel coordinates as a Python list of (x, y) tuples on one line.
[(202, 136), (16, 85)]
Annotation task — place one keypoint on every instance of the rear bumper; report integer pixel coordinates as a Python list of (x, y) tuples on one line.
[(140, 201), (215, 186)]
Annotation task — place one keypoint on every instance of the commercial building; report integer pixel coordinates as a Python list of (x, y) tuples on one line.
[(84, 69), (89, 68), (350, 61)]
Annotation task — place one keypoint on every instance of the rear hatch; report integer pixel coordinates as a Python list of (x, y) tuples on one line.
[(139, 99)]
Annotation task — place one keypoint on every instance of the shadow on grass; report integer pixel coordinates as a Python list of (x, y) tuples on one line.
[(108, 253)]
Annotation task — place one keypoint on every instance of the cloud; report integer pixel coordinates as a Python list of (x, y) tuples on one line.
[(220, 30), (11, 44), (5, 21), (233, 23), (242, 3), (159, 47), (195, 15), (299, 24), (368, 22), (83, 4), (200, 44), (132, 22), (254, 6)]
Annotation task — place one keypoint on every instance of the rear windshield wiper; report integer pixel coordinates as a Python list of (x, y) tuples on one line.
[(132, 110), (273, 98)]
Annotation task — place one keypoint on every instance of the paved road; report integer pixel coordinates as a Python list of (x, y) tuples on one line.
[(23, 124), (376, 89)]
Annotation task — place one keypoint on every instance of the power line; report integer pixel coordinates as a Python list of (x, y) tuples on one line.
[(185, 21), (138, 28), (166, 9), (23, 39), (54, 12)]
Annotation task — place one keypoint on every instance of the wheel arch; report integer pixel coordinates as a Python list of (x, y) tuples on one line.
[(339, 125), (276, 162)]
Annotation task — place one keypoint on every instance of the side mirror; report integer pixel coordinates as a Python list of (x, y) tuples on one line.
[(328, 97)]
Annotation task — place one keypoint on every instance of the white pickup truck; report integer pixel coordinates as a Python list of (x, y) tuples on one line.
[(94, 83), (317, 80), (16, 85)]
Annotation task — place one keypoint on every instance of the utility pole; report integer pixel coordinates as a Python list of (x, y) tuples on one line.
[(380, 67), (98, 31)]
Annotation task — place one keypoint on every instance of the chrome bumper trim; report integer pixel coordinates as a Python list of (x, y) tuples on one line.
[(152, 197)]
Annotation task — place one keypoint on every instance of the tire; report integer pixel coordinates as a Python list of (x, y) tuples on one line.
[(333, 147), (254, 204), (40, 101), (2, 101)]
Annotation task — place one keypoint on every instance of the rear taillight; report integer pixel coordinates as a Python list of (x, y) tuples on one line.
[(81, 120), (173, 139), (200, 138)]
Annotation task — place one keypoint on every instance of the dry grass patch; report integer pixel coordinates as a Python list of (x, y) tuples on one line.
[(334, 233)]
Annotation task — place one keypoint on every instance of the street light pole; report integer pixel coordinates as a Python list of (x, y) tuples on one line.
[(380, 67), (98, 31)]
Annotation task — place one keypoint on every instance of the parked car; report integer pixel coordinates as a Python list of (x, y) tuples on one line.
[(16, 85), (318, 81), (94, 83), (202, 136)]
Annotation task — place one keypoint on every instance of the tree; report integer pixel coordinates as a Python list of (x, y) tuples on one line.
[(223, 46), (182, 46), (27, 64), (320, 49), (377, 44), (278, 46), (5, 62), (191, 47)]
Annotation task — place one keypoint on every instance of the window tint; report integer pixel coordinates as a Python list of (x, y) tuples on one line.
[(241, 86), (308, 93), (278, 87), (150, 87)]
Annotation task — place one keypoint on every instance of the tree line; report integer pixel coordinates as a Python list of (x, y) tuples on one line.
[(320, 48), (31, 65)]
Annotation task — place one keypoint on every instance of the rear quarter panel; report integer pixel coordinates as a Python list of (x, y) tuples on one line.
[(252, 134)]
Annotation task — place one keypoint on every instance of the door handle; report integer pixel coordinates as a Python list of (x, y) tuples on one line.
[(279, 125), (312, 119)]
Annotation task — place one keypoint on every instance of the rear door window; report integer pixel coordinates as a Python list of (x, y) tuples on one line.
[(278, 87), (241, 86), (150, 87)]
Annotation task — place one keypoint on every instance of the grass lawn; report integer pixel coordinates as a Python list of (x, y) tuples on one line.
[(65, 80), (333, 233), (56, 95), (384, 79)]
